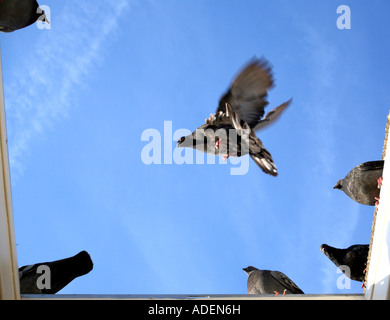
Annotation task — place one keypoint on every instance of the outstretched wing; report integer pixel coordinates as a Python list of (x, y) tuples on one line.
[(272, 116), (248, 92)]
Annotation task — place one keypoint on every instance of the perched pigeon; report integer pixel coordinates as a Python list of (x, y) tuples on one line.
[(269, 282), (17, 14), (362, 183), (231, 130), (354, 257), (59, 274)]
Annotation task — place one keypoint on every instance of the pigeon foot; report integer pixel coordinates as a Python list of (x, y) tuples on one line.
[(364, 282), (218, 144), (277, 293), (380, 180), (377, 202)]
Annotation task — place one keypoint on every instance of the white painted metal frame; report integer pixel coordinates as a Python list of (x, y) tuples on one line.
[(9, 277), (378, 279)]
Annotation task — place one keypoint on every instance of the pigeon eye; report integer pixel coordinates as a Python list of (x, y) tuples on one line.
[(181, 139)]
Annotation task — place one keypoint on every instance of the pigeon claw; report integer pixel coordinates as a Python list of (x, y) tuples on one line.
[(380, 180), (217, 144), (225, 157), (377, 202), (277, 293)]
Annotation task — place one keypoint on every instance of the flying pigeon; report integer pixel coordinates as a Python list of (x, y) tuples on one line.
[(269, 282), (362, 183), (18, 14), (231, 130), (59, 273), (354, 257)]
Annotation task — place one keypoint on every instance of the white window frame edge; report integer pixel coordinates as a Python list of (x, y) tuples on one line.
[(378, 277), (378, 280), (9, 277)]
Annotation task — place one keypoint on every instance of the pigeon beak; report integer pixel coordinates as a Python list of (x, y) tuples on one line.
[(338, 185), (179, 142), (45, 18)]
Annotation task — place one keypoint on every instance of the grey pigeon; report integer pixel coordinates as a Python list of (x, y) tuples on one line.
[(231, 130), (354, 257), (18, 14), (269, 282), (362, 183), (60, 272)]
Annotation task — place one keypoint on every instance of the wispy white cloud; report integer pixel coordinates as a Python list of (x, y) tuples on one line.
[(42, 89), (321, 109)]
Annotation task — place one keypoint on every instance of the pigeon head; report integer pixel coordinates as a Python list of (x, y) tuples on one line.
[(82, 263), (180, 141), (187, 141), (202, 139), (324, 248), (339, 185), (249, 269), (334, 254)]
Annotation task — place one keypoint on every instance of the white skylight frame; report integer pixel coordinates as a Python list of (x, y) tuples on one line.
[(378, 278), (9, 276)]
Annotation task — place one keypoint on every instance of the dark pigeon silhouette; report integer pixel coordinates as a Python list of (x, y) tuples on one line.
[(231, 130), (354, 257), (18, 14), (269, 282), (362, 183), (61, 273)]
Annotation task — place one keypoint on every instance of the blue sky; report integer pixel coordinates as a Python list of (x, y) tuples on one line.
[(79, 96)]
